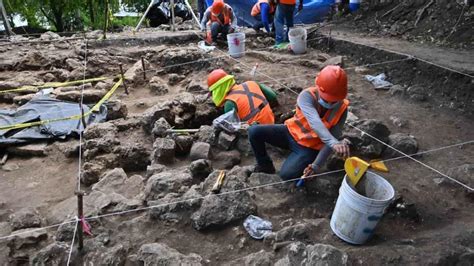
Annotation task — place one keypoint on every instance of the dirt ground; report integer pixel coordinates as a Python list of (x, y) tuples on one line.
[(440, 233)]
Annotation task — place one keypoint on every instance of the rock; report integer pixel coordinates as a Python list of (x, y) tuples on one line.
[(327, 186), (117, 181), (115, 255), (133, 156), (22, 99), (163, 151), (200, 150), (183, 144), (402, 142), (219, 210), (161, 254), (154, 169), (334, 162), (363, 144), (229, 159), (226, 141), (200, 169), (351, 118), (29, 150), (174, 79), (48, 77), (27, 237), (25, 218), (337, 60), (398, 121), (91, 173), (258, 258), (361, 70), (56, 253), (243, 145), (173, 59), (9, 84), (300, 231), (205, 114), (160, 128), (65, 232), (159, 185), (196, 86), (130, 123), (158, 86), (207, 134), (73, 64), (417, 93), (116, 109), (397, 90), (175, 212), (33, 60), (89, 96), (98, 130), (135, 73), (322, 255), (154, 113)]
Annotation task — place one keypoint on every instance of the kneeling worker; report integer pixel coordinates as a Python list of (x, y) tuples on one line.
[(250, 100), (313, 133), (222, 20), (263, 11)]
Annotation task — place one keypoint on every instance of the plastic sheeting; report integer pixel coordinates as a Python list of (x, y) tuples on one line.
[(41, 108), (313, 11)]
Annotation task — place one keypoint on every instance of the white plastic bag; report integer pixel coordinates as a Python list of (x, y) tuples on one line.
[(379, 81), (229, 122)]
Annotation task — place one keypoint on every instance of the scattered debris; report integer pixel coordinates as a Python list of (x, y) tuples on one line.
[(257, 227)]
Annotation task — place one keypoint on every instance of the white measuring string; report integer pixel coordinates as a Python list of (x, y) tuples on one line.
[(264, 185), (72, 242), (416, 160), (260, 186)]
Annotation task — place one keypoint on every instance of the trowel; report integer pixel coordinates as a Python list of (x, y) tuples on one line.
[(356, 168)]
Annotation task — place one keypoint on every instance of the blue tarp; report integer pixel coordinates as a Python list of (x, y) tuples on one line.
[(313, 11)]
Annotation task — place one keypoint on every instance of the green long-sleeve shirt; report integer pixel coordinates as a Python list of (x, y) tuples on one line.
[(269, 94)]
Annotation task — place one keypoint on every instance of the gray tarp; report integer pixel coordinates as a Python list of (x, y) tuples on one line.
[(43, 107)]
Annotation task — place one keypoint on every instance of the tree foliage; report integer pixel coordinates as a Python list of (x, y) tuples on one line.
[(63, 15)]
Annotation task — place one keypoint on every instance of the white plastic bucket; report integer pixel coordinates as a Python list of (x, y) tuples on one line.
[(354, 5), (297, 37), (355, 216), (236, 42)]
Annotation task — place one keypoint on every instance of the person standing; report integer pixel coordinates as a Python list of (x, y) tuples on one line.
[(284, 16)]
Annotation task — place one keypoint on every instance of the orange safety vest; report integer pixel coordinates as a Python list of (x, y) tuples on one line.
[(300, 129), (288, 2), (227, 13), (252, 106), (256, 8)]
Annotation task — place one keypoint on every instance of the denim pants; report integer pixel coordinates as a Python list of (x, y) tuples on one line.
[(279, 136), (201, 6), (283, 16), (217, 28)]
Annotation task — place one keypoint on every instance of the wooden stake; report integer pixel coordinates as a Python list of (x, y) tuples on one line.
[(4, 16), (143, 68), (123, 79), (80, 214), (172, 16)]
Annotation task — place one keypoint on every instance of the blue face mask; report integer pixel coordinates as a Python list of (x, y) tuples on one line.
[(325, 104)]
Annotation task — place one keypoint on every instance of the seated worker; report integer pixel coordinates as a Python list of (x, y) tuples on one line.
[(250, 99), (313, 133), (222, 20), (263, 11)]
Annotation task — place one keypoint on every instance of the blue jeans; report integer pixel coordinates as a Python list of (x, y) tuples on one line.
[(202, 6), (279, 136), (217, 28), (283, 15)]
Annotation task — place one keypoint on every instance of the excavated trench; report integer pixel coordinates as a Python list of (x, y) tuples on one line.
[(130, 163)]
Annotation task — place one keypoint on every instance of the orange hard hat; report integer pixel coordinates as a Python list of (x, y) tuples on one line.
[(215, 76), (332, 83), (217, 6)]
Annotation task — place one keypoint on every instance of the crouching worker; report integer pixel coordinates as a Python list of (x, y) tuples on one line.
[(250, 100), (313, 132), (263, 11), (221, 18)]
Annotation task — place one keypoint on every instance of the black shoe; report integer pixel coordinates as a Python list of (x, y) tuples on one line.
[(267, 169)]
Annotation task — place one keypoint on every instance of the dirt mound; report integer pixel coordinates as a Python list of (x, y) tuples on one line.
[(442, 22)]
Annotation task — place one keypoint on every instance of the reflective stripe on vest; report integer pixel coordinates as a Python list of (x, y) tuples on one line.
[(253, 110), (301, 130), (226, 13)]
